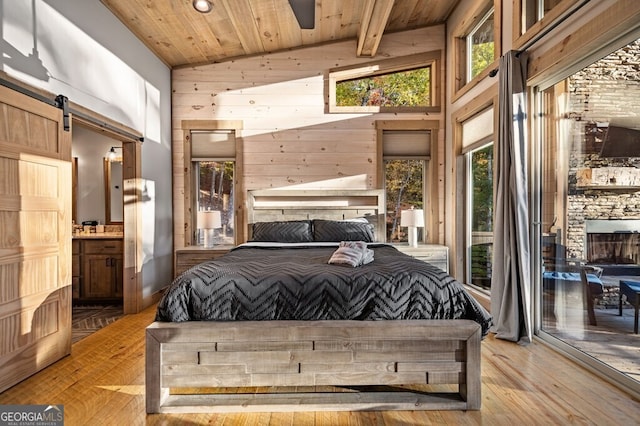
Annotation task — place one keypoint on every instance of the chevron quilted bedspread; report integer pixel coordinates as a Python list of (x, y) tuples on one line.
[(295, 282)]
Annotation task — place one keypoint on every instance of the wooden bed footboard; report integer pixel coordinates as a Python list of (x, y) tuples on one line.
[(363, 362)]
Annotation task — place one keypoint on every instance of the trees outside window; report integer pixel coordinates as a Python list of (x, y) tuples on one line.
[(403, 84), (480, 214), (215, 191), (404, 183), (405, 88), (480, 46)]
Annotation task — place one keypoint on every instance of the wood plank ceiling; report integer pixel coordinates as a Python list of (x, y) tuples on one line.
[(181, 36)]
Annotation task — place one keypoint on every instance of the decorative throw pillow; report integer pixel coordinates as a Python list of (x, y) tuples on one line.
[(333, 230), (294, 231)]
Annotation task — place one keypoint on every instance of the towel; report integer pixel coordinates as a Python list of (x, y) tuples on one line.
[(353, 253)]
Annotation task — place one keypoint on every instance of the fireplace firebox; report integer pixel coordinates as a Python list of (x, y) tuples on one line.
[(613, 242)]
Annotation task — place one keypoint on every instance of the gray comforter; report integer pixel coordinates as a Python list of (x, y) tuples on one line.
[(294, 282)]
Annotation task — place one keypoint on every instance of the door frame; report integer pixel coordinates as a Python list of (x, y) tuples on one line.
[(132, 185)]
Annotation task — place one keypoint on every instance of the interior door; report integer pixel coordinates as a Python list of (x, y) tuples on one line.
[(35, 237)]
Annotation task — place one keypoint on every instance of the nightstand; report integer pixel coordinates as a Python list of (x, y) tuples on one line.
[(436, 254), (189, 256)]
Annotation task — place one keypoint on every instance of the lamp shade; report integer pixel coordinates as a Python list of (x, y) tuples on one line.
[(413, 218), (209, 219)]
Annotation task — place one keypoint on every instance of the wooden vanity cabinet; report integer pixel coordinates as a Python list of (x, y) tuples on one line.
[(100, 270)]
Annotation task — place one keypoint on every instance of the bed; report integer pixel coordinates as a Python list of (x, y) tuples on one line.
[(273, 326)]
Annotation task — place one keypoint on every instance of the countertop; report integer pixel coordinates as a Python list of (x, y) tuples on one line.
[(98, 236)]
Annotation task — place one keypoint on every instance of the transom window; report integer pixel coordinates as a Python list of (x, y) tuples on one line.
[(534, 10), (476, 42), (480, 46), (392, 85), (397, 89)]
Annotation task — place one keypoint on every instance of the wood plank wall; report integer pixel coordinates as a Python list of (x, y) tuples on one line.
[(287, 137)]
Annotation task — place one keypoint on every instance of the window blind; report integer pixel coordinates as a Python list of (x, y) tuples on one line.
[(213, 144), (406, 143), (477, 130)]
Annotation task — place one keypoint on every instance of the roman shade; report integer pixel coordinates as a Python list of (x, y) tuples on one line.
[(213, 144), (406, 143)]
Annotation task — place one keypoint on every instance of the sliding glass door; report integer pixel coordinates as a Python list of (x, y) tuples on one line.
[(589, 211)]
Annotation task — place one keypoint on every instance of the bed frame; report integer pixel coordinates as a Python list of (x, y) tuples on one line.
[(264, 366)]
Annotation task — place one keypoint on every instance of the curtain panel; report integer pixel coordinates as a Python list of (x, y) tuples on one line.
[(511, 278)]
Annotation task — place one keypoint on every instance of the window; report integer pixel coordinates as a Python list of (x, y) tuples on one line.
[(404, 88), (476, 41), (405, 155), (534, 10), (480, 215), (480, 46), (532, 16), (213, 169), (477, 148), (392, 85)]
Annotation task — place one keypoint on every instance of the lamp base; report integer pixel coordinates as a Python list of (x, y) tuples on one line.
[(209, 238), (413, 236)]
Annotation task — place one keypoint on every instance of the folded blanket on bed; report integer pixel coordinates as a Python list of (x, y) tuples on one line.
[(353, 253)]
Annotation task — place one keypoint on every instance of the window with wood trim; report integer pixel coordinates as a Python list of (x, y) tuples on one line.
[(407, 84), (476, 44), (477, 150), (480, 51), (534, 10), (531, 16), (405, 154)]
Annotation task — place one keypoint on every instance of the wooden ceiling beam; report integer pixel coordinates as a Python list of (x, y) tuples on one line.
[(375, 16)]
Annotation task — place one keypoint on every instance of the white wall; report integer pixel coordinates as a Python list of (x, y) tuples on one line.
[(90, 149), (79, 49)]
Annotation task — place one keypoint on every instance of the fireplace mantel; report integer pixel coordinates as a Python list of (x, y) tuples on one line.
[(605, 226)]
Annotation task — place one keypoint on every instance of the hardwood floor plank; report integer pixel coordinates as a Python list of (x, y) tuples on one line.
[(569, 392), (102, 382)]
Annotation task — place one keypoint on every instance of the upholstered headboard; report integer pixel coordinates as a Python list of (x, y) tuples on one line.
[(280, 205)]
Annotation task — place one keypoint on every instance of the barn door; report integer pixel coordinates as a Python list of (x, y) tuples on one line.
[(35, 237)]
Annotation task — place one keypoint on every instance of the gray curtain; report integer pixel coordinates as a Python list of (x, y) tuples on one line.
[(511, 278)]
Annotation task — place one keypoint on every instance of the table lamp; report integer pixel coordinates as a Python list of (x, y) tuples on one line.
[(412, 219), (208, 221)]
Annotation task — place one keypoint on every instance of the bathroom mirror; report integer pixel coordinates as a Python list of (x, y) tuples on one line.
[(113, 191)]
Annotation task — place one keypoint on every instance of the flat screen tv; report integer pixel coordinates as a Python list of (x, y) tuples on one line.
[(621, 142)]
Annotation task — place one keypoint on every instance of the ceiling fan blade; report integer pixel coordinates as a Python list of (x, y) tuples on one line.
[(305, 11)]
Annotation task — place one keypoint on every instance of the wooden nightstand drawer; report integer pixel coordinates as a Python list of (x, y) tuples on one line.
[(187, 257), (434, 254)]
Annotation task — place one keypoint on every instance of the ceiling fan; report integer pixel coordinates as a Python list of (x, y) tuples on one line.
[(305, 12)]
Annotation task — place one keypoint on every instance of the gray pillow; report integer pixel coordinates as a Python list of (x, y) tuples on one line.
[(334, 230), (294, 231)]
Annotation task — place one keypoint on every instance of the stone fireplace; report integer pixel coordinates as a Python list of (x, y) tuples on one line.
[(613, 242)]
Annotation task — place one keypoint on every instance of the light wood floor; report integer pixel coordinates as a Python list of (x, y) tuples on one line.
[(102, 383)]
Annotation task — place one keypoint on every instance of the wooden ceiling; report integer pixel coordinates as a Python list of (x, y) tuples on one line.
[(180, 36)]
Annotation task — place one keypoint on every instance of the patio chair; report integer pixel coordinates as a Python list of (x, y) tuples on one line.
[(590, 291), (583, 279), (631, 289)]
